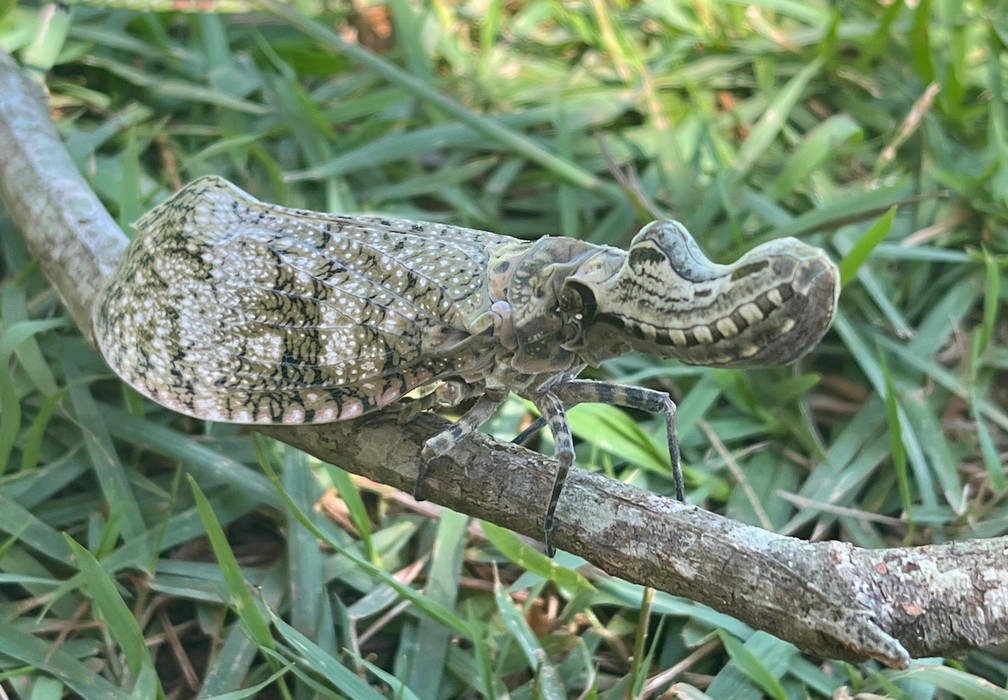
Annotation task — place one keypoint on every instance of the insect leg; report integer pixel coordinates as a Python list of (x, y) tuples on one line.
[(524, 435), (552, 410), (441, 443), (587, 391), (409, 408), (447, 394)]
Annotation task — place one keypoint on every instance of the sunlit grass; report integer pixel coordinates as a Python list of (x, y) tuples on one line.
[(746, 122)]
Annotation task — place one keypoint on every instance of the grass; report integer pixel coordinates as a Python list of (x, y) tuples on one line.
[(131, 532)]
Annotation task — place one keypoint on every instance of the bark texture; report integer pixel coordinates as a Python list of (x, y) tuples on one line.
[(67, 230)]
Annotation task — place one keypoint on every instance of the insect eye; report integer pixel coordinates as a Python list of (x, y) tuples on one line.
[(574, 310), (570, 301), (577, 302)]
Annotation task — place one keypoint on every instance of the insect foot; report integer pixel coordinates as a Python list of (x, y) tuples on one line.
[(441, 443), (427, 455)]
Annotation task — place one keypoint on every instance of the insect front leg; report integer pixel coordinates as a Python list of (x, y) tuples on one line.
[(552, 409), (587, 391), (440, 444)]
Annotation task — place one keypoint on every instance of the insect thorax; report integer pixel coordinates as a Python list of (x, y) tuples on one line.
[(534, 324)]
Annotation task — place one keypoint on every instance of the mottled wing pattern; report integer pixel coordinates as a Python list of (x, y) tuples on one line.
[(229, 309)]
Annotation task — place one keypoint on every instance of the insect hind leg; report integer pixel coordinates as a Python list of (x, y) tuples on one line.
[(578, 391), (443, 442)]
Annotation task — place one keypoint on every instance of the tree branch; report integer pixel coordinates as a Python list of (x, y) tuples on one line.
[(830, 599), (67, 230)]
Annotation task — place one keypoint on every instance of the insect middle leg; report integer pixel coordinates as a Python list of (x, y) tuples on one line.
[(587, 391), (440, 444), (552, 410)]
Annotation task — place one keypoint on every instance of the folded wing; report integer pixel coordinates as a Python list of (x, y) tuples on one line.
[(228, 309)]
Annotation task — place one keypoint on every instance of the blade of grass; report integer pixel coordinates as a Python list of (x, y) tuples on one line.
[(759, 662), (549, 686), (535, 562), (244, 605), (356, 509), (952, 680), (777, 111), (521, 145), (40, 655), (310, 611), (106, 466), (426, 653), (992, 297), (29, 354), (875, 234), (113, 609), (897, 450), (10, 406), (444, 615), (210, 466), (344, 679), (870, 366)]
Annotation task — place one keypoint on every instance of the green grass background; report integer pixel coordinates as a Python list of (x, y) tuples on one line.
[(877, 131)]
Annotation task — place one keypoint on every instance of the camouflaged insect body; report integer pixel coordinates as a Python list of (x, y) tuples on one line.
[(229, 309)]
